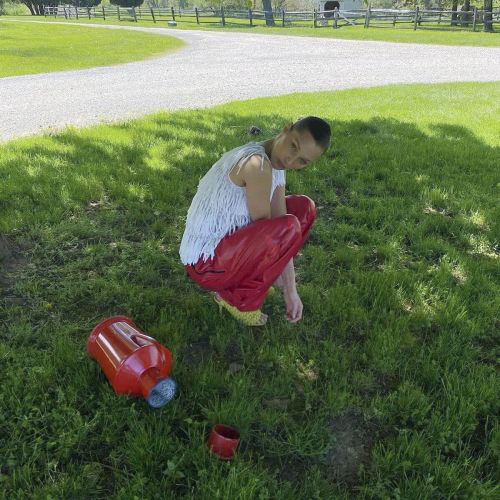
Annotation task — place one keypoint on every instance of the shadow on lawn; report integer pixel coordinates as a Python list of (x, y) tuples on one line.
[(100, 214)]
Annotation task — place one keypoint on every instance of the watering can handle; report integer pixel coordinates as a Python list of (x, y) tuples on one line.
[(141, 342)]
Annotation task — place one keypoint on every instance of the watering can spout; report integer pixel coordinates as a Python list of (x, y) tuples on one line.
[(163, 392), (157, 390)]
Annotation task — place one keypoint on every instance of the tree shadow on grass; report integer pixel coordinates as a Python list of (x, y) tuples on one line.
[(404, 217)]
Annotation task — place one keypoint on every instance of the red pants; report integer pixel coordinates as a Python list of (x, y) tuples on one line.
[(247, 262)]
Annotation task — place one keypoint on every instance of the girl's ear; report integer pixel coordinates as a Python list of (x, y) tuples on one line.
[(287, 127)]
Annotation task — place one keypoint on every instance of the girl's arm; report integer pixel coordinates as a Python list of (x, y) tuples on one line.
[(292, 300), (278, 208), (257, 179)]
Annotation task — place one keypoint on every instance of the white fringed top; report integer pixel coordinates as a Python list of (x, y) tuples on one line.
[(219, 206)]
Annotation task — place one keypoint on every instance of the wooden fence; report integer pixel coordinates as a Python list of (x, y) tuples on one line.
[(473, 20), (429, 19)]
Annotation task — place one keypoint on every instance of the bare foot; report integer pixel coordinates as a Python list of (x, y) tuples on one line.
[(263, 319)]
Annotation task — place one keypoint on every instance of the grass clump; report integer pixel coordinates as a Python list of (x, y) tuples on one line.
[(388, 386), (27, 48)]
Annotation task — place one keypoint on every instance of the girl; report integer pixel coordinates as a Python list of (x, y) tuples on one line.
[(242, 232)]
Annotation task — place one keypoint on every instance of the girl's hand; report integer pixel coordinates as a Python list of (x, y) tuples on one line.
[(293, 306)]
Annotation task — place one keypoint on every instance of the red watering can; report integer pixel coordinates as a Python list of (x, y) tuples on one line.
[(133, 363)]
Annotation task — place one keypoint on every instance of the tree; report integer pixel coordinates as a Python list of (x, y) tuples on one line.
[(83, 3), (454, 15), (127, 3), (268, 9), (279, 5), (466, 16), (488, 21), (36, 6)]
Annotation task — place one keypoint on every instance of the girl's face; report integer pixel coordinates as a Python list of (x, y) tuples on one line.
[(294, 149)]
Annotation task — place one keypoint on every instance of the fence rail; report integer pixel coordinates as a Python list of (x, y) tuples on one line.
[(473, 20)]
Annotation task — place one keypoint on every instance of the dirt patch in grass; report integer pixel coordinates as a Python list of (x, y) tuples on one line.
[(196, 353), (233, 353), (353, 439)]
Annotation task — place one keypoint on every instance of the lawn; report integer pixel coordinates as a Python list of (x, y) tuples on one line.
[(39, 48), (388, 387), (399, 35)]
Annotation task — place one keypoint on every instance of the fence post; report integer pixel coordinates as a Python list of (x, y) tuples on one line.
[(223, 19), (474, 19), (335, 17), (282, 18), (118, 12), (103, 13), (55, 11), (135, 15), (314, 18), (76, 12), (394, 20), (65, 14), (197, 17), (416, 19), (173, 14), (88, 11), (250, 16), (152, 14), (368, 14)]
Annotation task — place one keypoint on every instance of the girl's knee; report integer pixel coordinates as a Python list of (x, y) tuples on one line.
[(285, 226), (303, 208), (292, 223), (300, 203), (286, 232)]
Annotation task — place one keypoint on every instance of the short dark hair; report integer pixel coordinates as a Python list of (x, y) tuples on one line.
[(318, 128)]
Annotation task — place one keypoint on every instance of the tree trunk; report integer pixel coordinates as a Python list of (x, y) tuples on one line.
[(466, 16), (488, 8), (30, 7), (454, 7), (266, 5)]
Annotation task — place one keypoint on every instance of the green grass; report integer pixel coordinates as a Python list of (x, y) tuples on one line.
[(38, 48), (388, 387), (385, 34), (399, 35)]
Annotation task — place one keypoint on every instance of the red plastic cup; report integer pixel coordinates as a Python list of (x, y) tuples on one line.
[(223, 441)]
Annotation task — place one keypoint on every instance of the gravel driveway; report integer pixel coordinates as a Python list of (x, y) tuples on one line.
[(216, 67)]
